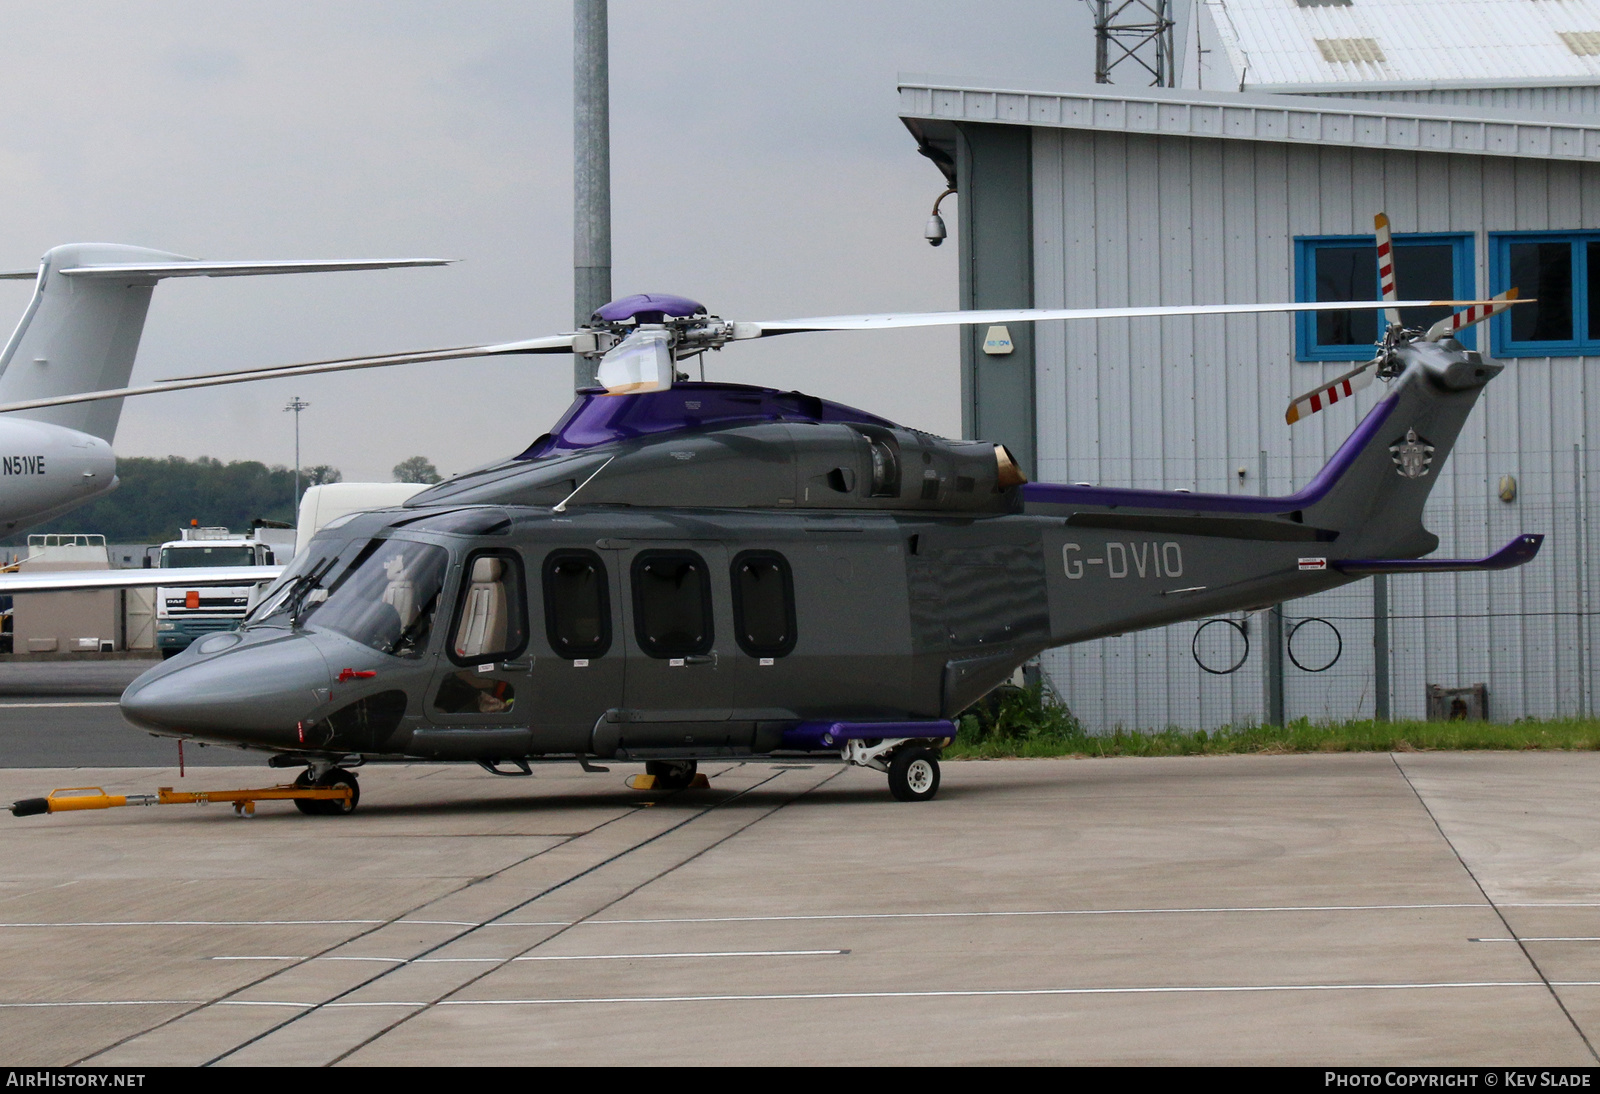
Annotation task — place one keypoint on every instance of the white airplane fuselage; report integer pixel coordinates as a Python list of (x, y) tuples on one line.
[(48, 469)]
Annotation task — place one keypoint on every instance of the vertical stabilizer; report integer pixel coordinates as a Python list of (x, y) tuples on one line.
[(80, 334)]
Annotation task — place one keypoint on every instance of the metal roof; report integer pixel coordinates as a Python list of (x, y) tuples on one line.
[(1284, 44), (1284, 119)]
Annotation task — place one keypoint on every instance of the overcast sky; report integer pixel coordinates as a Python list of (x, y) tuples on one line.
[(758, 165)]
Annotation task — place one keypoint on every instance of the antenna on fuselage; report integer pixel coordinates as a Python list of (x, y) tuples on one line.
[(562, 507)]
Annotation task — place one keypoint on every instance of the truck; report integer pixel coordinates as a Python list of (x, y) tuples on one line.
[(182, 615)]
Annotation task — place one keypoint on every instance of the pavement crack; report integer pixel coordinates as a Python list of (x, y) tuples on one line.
[(1506, 923)]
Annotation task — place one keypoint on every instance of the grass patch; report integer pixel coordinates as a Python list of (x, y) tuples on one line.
[(1027, 722)]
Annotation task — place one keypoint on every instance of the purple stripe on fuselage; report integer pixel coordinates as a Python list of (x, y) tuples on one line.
[(1044, 493)]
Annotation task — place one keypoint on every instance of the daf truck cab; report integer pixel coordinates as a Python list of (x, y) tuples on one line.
[(182, 615)]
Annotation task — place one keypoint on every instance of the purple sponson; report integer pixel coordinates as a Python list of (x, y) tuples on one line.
[(1520, 550), (816, 736), (649, 307), (1040, 493), (597, 418)]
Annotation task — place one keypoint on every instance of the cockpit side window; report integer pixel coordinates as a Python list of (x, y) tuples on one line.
[(492, 611), (577, 604), (387, 599)]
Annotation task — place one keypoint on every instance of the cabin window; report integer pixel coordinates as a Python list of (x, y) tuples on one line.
[(763, 603), (1426, 267), (672, 603), (1561, 271), (490, 623), (471, 692), (577, 605), (386, 600)]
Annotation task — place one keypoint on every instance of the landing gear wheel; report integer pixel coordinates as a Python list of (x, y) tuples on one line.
[(914, 774), (337, 776), (671, 774)]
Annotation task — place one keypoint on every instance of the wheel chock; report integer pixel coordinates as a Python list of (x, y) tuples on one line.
[(650, 782), (68, 799)]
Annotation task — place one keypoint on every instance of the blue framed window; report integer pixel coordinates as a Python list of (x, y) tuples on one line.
[(1562, 271), (1427, 266)]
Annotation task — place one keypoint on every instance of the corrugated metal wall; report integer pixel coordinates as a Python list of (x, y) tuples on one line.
[(1123, 220)]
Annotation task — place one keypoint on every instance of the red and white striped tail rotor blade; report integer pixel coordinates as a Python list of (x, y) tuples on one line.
[(1325, 395), (1380, 224), (1450, 324)]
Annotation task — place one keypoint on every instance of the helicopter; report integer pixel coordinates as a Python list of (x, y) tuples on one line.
[(78, 335), (684, 572)]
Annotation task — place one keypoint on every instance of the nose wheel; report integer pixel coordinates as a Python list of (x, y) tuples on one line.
[(333, 777)]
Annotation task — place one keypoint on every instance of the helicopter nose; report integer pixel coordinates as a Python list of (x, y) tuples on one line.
[(253, 693)]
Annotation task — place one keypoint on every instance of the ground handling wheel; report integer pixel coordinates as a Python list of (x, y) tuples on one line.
[(914, 774), (671, 774), (336, 776)]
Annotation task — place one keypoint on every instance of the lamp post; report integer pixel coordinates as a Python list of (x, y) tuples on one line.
[(591, 176), (296, 404)]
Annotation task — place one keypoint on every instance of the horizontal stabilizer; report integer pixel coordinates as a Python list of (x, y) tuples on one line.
[(239, 269), (1518, 551), (196, 577), (18, 275)]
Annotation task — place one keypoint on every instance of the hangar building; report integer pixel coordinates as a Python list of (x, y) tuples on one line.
[(1478, 135)]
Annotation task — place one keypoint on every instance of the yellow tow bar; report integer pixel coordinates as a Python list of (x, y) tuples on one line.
[(244, 801)]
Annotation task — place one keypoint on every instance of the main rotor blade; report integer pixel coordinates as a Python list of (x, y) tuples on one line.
[(559, 343), (891, 321)]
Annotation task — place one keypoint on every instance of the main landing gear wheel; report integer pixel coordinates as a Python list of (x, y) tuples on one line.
[(914, 774), (671, 774), (336, 776)]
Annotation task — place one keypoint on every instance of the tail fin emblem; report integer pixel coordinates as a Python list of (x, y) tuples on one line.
[(1413, 455)]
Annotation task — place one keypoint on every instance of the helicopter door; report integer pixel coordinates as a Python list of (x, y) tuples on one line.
[(577, 662), (484, 677), (677, 623)]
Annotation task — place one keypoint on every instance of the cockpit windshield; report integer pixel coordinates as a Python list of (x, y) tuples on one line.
[(386, 600), (304, 582)]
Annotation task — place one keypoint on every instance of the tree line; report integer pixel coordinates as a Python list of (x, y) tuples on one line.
[(157, 497)]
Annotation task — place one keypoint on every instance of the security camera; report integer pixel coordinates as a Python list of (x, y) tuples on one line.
[(934, 233)]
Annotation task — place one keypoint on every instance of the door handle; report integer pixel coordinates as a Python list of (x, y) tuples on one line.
[(701, 659)]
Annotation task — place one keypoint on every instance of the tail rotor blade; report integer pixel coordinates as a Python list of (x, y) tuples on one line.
[(1325, 395), (1386, 266), (1450, 324)]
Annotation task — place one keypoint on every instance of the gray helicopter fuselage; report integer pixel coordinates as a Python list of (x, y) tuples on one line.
[(636, 588)]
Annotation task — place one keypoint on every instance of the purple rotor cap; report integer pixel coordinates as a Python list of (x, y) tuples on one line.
[(653, 307)]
